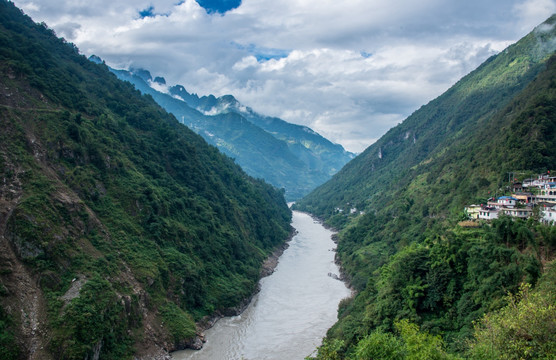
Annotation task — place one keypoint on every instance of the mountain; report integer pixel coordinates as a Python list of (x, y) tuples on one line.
[(459, 114), (120, 228), (288, 156), (316, 151), (418, 271)]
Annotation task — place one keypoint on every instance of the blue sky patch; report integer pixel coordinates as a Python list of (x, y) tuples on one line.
[(218, 6), (148, 12), (365, 54), (263, 54)]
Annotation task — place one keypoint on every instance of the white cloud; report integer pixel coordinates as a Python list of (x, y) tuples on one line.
[(348, 69), (30, 6), (244, 63), (532, 12), (163, 88)]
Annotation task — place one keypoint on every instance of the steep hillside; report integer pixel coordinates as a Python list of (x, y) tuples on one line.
[(399, 204), (288, 156), (460, 113), (119, 227)]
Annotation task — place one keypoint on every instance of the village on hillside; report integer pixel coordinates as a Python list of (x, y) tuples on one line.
[(528, 198)]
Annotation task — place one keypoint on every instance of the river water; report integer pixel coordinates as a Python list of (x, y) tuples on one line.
[(297, 304)]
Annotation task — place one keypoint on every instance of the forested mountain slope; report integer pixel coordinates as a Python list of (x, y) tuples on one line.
[(288, 156), (460, 113), (119, 227), (399, 203)]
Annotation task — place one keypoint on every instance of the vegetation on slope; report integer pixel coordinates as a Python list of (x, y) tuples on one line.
[(131, 225), (289, 156), (458, 115), (402, 246)]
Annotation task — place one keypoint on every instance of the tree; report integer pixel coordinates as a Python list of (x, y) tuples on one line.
[(524, 329)]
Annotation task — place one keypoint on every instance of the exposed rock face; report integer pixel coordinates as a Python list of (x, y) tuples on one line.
[(96, 351), (271, 262), (196, 343), (23, 298), (73, 291)]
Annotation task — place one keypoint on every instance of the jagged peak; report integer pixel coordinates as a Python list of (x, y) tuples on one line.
[(160, 80), (142, 73), (229, 99)]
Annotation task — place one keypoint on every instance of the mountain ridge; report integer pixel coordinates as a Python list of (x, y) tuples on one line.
[(421, 272), (295, 157), (119, 227)]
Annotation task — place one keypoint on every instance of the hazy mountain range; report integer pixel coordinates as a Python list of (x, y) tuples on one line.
[(121, 229), (286, 155)]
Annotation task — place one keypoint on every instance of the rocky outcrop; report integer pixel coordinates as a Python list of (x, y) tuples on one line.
[(269, 265)]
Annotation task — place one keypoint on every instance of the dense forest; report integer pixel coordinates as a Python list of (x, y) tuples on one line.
[(119, 227), (429, 284)]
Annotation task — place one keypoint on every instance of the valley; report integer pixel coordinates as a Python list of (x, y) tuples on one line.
[(293, 310), (290, 157), (133, 213)]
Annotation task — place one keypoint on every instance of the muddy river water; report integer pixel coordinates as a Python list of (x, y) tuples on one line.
[(297, 304)]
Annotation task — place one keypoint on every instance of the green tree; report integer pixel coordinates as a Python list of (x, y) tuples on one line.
[(329, 350), (420, 345), (380, 345), (524, 329)]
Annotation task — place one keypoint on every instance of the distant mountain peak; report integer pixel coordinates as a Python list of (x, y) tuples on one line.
[(160, 80), (96, 59), (289, 156), (179, 88), (142, 73)]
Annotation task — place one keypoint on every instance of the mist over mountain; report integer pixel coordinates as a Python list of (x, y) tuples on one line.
[(288, 156)]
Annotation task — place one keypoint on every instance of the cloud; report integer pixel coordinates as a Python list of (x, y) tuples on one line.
[(348, 69), (68, 30), (261, 53), (532, 12)]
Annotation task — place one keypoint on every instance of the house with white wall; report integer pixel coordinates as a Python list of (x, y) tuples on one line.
[(548, 215)]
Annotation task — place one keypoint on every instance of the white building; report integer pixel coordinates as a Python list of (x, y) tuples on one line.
[(547, 192), (541, 180), (506, 201), (488, 213), (518, 213), (549, 215)]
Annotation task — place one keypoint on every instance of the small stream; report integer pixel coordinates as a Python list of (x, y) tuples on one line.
[(297, 304)]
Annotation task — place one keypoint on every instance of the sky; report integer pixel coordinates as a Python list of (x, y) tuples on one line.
[(348, 69)]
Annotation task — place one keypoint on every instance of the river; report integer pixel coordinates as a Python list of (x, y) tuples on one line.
[(297, 304)]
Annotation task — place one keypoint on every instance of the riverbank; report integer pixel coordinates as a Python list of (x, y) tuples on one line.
[(267, 268), (294, 308)]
